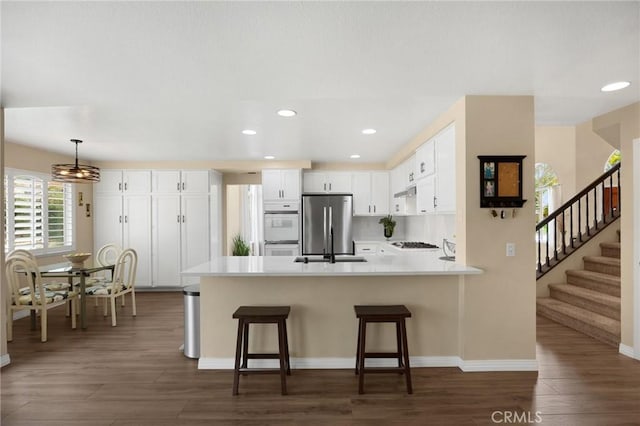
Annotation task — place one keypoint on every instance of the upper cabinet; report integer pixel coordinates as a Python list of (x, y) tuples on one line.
[(370, 193), (329, 182), (123, 182), (425, 159), (409, 170), (436, 190), (281, 185), (180, 181)]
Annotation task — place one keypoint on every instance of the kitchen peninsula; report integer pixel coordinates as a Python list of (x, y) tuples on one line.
[(322, 325)]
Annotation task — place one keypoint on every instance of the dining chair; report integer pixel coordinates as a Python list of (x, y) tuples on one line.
[(124, 276), (21, 252), (36, 295), (53, 286), (107, 255)]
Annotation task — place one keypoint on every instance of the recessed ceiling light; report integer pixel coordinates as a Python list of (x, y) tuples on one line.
[(286, 113), (249, 132), (612, 87), (354, 156), (269, 157), (368, 131)]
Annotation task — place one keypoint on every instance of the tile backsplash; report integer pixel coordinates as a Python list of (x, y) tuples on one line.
[(366, 228), (427, 228), (431, 228)]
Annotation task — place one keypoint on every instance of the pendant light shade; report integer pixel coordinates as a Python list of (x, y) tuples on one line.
[(75, 173)]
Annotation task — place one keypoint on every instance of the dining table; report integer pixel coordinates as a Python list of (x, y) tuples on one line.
[(66, 270)]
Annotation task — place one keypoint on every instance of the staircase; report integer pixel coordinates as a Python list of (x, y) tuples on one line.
[(589, 300)]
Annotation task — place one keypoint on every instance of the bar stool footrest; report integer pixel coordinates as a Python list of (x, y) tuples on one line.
[(262, 356), (400, 370), (382, 355), (259, 370)]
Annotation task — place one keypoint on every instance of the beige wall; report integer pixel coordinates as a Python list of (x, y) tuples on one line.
[(592, 152), (556, 146), (499, 306), (620, 128)]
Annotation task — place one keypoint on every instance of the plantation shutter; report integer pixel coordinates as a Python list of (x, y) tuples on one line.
[(28, 206), (59, 220)]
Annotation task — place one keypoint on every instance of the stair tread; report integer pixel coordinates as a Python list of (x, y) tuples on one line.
[(601, 322), (592, 295), (613, 261), (610, 245), (599, 276)]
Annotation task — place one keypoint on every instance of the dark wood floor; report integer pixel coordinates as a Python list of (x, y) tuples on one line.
[(134, 375)]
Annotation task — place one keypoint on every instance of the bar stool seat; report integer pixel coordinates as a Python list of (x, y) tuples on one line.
[(383, 314), (261, 315)]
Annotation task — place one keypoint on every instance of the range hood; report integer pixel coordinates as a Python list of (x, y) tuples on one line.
[(408, 193)]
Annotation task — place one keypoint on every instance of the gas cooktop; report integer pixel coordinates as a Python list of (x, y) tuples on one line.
[(413, 245)]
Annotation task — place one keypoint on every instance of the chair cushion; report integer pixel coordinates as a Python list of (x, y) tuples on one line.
[(50, 296), (94, 280), (102, 289), (53, 286)]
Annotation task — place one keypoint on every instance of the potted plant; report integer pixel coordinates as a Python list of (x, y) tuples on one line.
[(240, 248), (388, 224)]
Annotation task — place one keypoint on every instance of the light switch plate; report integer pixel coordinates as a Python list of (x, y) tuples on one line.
[(511, 249)]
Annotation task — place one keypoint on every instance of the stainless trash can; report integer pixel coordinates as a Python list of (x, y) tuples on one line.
[(192, 321)]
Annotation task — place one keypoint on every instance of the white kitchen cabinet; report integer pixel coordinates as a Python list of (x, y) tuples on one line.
[(370, 193), (446, 171), (181, 229), (425, 159), (329, 182), (436, 192), (368, 248), (409, 168), (281, 185), (426, 195), (116, 181), (125, 220), (180, 181), (397, 183)]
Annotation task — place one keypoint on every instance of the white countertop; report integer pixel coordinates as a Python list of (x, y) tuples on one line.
[(423, 263)]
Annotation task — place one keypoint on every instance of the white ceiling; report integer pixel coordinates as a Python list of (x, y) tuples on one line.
[(147, 81)]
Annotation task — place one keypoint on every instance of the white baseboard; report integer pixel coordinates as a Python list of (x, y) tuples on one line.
[(627, 351), (5, 360), (349, 363), (499, 365)]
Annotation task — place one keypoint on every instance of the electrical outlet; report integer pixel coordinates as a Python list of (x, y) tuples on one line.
[(511, 249)]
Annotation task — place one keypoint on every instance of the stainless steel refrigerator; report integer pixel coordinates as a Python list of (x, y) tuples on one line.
[(323, 214)]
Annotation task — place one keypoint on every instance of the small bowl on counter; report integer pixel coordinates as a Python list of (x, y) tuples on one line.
[(77, 259)]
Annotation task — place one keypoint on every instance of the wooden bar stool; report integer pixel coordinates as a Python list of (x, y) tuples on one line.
[(379, 314), (261, 315)]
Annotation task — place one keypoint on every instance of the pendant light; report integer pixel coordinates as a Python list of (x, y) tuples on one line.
[(75, 173)]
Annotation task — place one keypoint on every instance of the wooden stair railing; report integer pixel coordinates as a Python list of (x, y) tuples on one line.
[(586, 214)]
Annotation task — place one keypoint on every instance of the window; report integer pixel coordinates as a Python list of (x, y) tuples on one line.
[(613, 159), (38, 213), (547, 190)]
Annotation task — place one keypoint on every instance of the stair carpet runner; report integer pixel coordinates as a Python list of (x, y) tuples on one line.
[(589, 301)]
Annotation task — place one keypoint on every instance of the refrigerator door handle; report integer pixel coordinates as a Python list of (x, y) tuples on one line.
[(324, 229)]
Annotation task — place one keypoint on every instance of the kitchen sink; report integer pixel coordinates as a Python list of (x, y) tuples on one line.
[(339, 259)]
